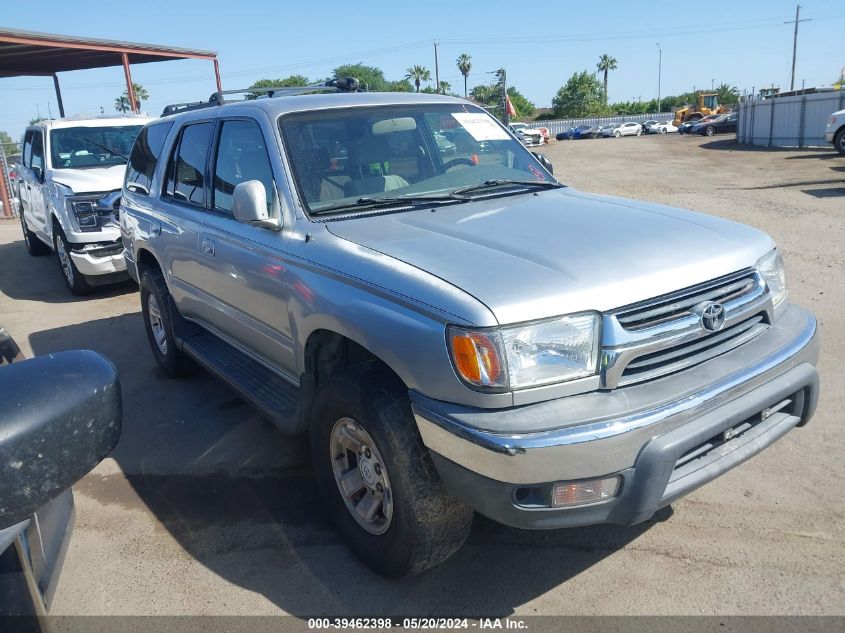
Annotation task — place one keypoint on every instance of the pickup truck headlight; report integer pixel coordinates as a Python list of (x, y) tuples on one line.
[(88, 215), (771, 269), (530, 355)]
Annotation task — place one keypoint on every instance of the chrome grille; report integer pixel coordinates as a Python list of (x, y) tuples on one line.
[(680, 304), (678, 357), (665, 335)]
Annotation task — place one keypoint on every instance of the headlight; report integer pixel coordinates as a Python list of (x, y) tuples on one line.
[(86, 212), (518, 357), (771, 269)]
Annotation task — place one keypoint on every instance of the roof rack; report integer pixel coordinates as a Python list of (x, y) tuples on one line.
[(342, 84)]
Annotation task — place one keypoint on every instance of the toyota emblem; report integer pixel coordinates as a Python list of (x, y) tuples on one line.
[(712, 316)]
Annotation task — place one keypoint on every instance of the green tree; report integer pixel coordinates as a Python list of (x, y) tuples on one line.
[(522, 105), (418, 74), (371, 78), (8, 144), (606, 64), (487, 95), (122, 103), (445, 87), (728, 95), (289, 82), (581, 96), (464, 65), (402, 85)]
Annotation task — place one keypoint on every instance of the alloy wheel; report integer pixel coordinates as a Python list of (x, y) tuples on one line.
[(156, 324), (64, 260)]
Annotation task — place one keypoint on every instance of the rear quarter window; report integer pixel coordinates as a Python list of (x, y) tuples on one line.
[(144, 157)]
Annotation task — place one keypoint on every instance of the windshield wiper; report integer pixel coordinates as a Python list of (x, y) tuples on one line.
[(387, 201), (101, 146), (501, 182)]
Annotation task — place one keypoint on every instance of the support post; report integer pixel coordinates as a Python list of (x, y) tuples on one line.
[(217, 76), (59, 96), (129, 89), (4, 190)]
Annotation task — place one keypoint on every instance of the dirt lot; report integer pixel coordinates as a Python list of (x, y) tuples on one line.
[(204, 509)]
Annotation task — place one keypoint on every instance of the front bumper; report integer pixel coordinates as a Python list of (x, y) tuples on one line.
[(99, 259), (640, 433), (828, 136)]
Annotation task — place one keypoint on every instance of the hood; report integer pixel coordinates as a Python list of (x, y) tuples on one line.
[(562, 251), (94, 179)]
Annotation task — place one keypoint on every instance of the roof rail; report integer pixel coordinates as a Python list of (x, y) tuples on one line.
[(342, 84)]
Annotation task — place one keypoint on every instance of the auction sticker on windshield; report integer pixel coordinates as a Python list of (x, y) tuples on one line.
[(480, 126)]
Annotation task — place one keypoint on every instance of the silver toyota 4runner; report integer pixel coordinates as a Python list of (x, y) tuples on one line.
[(457, 331)]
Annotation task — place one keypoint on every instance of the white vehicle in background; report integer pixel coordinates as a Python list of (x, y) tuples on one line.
[(835, 131), (530, 136), (623, 129), (70, 181), (662, 128)]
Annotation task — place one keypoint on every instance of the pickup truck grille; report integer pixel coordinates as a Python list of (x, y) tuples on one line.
[(680, 304), (666, 334)]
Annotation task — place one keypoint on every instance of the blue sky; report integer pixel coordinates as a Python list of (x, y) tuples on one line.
[(744, 44)]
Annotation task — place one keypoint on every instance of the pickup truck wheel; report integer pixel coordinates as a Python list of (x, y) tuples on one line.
[(381, 487), (34, 246), (74, 280), (158, 321), (839, 141)]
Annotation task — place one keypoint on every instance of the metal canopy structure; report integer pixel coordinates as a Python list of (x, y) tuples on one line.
[(26, 53)]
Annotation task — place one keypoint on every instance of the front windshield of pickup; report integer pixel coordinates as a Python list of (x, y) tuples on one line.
[(344, 156), (87, 147)]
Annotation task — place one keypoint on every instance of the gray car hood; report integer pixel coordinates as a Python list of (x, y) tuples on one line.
[(532, 256)]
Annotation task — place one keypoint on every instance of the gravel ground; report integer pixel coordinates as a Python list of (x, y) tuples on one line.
[(204, 509)]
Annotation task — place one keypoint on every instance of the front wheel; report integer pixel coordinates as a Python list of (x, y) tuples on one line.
[(379, 482), (663, 130), (617, 134), (709, 131), (74, 280), (839, 141)]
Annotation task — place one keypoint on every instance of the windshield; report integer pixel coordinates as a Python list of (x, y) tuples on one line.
[(84, 147), (347, 156)]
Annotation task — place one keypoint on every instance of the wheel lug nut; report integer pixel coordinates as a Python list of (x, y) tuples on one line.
[(367, 453), (377, 468), (379, 487)]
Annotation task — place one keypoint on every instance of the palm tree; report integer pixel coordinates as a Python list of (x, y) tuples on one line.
[(727, 94), (445, 87), (418, 73), (606, 64), (464, 65), (122, 104)]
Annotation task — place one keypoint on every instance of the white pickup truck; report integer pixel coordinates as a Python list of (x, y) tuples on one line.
[(71, 174)]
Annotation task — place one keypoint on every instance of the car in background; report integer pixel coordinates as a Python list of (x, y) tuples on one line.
[(60, 415), (647, 125), (585, 131), (835, 131), (662, 128), (530, 137), (687, 126), (444, 145), (722, 124), (628, 128)]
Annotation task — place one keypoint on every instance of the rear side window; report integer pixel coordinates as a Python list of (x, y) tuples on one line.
[(144, 158), (185, 180)]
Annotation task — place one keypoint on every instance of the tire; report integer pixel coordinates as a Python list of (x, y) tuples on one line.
[(639, 132), (663, 130), (709, 130), (34, 246), (363, 432), (74, 280), (594, 135), (839, 142), (617, 134), (156, 308)]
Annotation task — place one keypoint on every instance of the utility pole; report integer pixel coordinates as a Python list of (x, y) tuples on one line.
[(795, 41), (436, 69), (505, 115), (659, 72)]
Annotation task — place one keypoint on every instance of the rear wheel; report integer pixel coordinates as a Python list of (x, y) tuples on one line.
[(709, 130), (156, 308), (34, 246), (639, 132), (381, 487), (74, 280), (839, 141), (663, 130)]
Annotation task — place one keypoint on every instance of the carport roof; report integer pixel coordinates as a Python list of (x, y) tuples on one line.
[(30, 53)]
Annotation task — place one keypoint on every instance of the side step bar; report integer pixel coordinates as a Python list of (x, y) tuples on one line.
[(268, 392)]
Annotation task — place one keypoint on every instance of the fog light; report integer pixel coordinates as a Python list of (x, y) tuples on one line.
[(581, 492)]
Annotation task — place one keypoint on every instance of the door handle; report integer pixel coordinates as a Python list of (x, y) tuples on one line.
[(208, 248)]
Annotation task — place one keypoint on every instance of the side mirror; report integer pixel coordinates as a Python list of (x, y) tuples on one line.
[(545, 162), (249, 205), (60, 415), (38, 172)]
